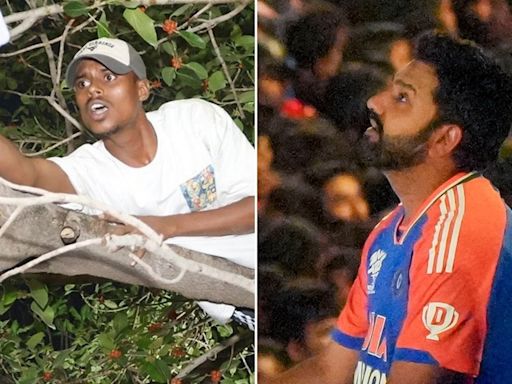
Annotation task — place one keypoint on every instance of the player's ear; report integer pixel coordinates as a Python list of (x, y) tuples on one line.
[(143, 89), (445, 139)]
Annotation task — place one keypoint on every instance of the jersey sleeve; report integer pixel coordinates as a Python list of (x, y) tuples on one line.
[(352, 324), (451, 277)]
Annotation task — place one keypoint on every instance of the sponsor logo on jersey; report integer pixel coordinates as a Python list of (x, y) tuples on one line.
[(438, 318), (366, 374), (376, 260), (375, 342)]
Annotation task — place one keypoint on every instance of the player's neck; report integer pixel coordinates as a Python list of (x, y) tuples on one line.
[(135, 146), (415, 185)]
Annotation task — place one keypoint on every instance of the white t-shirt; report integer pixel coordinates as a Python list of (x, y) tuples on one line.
[(203, 161)]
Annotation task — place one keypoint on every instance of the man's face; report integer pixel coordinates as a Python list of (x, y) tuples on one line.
[(401, 117), (107, 102)]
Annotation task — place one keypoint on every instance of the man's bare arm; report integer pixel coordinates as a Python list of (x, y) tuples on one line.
[(34, 172), (403, 372), (233, 219), (335, 365)]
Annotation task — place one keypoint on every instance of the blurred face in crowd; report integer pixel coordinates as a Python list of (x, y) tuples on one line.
[(402, 117), (269, 365), (344, 200), (400, 53), (271, 91), (329, 65), (317, 336), (447, 17)]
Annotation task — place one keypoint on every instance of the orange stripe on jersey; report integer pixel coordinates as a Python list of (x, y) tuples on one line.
[(451, 276), (459, 178), (446, 234)]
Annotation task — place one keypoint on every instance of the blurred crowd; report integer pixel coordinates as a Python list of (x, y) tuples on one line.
[(319, 62)]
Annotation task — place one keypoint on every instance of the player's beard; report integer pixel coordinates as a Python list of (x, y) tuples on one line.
[(108, 134), (397, 152)]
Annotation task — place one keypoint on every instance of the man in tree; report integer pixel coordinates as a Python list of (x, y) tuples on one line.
[(431, 303), (186, 169)]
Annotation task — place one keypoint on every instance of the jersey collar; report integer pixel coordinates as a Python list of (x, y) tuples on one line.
[(455, 180)]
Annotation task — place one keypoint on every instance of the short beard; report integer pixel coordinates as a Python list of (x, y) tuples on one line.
[(107, 135), (396, 153)]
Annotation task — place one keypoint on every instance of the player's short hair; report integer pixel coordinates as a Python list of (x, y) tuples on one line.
[(473, 92)]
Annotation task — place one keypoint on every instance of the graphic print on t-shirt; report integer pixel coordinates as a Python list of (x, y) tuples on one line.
[(200, 191)]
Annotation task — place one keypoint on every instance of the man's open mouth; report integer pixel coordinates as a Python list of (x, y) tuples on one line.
[(98, 108)]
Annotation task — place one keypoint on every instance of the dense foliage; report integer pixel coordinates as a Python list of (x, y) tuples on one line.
[(107, 332)]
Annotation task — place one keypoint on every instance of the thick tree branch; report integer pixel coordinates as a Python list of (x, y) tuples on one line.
[(36, 230)]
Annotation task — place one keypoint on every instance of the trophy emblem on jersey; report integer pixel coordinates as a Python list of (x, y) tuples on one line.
[(376, 260), (438, 318)]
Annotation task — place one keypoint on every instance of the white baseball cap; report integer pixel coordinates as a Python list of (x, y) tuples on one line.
[(115, 54)]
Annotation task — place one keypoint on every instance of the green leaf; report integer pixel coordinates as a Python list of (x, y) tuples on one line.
[(46, 316), (75, 8), (198, 69), (106, 341), (181, 10), (120, 322), (61, 358), (85, 312), (39, 292), (168, 75), (193, 39), (127, 3), (35, 339), (103, 30), (169, 48), (27, 100), (73, 312), (249, 107), (225, 330), (142, 24), (246, 42), (188, 79), (246, 97), (239, 123), (11, 83), (158, 371), (216, 81), (9, 297), (143, 343), (29, 376), (110, 304)]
